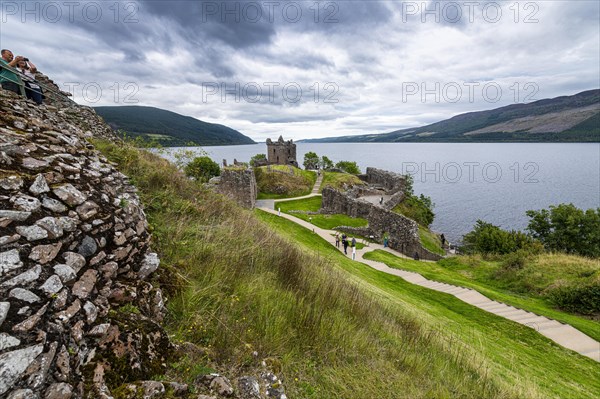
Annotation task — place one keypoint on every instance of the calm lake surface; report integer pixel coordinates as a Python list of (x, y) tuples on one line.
[(494, 182)]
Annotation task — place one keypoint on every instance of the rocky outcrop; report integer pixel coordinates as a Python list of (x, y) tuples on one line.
[(77, 312)]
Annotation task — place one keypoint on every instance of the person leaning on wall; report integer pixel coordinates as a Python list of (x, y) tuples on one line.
[(8, 79), (32, 89)]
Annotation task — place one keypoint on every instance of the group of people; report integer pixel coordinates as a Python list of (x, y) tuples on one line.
[(26, 70), (345, 242)]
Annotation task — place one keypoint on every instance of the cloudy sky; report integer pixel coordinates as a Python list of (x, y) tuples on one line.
[(310, 69)]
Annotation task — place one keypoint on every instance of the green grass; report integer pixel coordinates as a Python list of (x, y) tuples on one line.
[(313, 204), (430, 241), (327, 326), (460, 271), (515, 356), (340, 181), (277, 184)]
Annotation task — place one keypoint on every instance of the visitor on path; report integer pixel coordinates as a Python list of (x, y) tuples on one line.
[(337, 240), (8, 79), (381, 201), (416, 257), (353, 242), (32, 89), (443, 240), (385, 241), (345, 243)]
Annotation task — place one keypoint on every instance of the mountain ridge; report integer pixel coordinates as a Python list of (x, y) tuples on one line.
[(169, 128), (564, 118)]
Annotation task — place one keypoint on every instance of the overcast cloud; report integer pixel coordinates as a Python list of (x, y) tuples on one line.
[(363, 67)]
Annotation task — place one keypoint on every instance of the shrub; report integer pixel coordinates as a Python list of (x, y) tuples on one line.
[(202, 169), (485, 238), (419, 209), (348, 167), (257, 158), (568, 229), (584, 299), (515, 260)]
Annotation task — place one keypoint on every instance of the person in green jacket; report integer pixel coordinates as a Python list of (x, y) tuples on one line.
[(8, 79)]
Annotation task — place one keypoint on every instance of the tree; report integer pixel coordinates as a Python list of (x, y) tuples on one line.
[(257, 158), (311, 160), (326, 163), (566, 228), (202, 169), (348, 167)]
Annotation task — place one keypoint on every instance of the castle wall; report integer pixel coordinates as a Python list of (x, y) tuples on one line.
[(239, 185), (390, 181), (403, 232)]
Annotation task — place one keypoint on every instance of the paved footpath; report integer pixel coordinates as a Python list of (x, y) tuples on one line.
[(563, 334)]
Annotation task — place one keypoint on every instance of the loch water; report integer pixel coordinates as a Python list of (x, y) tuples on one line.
[(495, 182)]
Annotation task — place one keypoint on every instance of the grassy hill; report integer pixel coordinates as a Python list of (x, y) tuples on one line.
[(168, 128), (283, 181), (238, 281), (566, 118)]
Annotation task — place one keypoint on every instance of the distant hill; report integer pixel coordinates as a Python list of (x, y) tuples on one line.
[(566, 118), (168, 128)]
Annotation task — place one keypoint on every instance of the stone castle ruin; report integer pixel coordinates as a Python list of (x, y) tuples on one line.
[(238, 183), (281, 152), (363, 202)]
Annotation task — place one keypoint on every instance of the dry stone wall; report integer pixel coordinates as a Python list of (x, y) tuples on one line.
[(74, 252)]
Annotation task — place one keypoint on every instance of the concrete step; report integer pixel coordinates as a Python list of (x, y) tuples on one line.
[(550, 325), (493, 305), (517, 315), (447, 288), (455, 290), (430, 283), (532, 321), (436, 286), (508, 311), (525, 315)]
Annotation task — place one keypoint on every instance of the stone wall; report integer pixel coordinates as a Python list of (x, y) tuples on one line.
[(403, 232), (239, 184), (390, 181), (74, 252)]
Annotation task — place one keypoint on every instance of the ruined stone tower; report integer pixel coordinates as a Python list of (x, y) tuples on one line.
[(281, 152)]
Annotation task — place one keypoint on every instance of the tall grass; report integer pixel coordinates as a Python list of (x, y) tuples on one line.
[(235, 286)]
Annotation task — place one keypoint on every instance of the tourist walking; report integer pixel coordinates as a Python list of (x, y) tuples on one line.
[(345, 243), (337, 240), (443, 238), (385, 241), (353, 242)]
